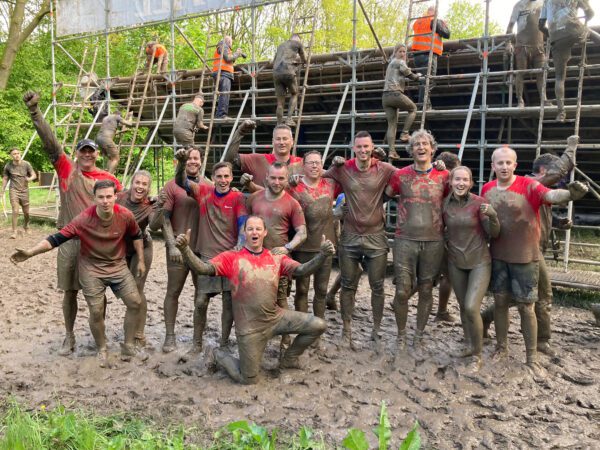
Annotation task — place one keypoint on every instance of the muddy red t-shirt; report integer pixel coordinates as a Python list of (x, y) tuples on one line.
[(141, 211), (184, 212), (219, 214), (364, 195), (76, 187), (257, 165), (317, 203), (103, 246), (467, 241), (254, 280), (281, 216), (420, 203), (518, 211)]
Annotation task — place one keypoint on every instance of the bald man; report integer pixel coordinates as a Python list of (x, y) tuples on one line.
[(515, 252)]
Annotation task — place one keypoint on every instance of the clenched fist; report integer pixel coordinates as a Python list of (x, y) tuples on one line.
[(577, 189), (31, 99)]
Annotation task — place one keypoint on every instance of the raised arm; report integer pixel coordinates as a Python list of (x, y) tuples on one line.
[(49, 141), (310, 267), (197, 266), (180, 177), (233, 150)]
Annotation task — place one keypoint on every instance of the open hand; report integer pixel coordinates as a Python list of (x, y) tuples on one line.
[(19, 255)]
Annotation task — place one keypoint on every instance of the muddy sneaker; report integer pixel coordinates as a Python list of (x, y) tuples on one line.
[(500, 353), (196, 349), (548, 103), (444, 316), (13, 236), (68, 345), (404, 137), (290, 123), (401, 344), (536, 369), (346, 342), (129, 351), (290, 363), (467, 352), (140, 342), (475, 364), (561, 117), (170, 344), (545, 348), (393, 155), (521, 103), (102, 358)]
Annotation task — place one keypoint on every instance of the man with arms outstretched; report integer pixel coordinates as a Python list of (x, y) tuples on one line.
[(254, 274), (75, 183)]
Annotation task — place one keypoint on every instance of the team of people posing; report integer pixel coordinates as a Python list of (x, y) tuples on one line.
[(248, 249)]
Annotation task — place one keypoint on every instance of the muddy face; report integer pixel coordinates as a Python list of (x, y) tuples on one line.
[(422, 151), (282, 143), (461, 182), (400, 53), (86, 158), (255, 234), (313, 166), (16, 156), (363, 149), (504, 163), (105, 201), (277, 180), (140, 187), (222, 178), (193, 164)]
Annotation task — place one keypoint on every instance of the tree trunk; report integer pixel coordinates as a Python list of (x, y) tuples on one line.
[(17, 35)]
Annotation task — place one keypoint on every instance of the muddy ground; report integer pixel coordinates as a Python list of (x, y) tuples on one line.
[(503, 406)]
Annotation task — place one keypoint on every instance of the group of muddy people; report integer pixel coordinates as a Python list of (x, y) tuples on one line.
[(297, 218)]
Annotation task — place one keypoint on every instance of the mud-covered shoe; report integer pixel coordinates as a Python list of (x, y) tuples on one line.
[(404, 137), (444, 316), (290, 363), (475, 364), (331, 303), (486, 327), (170, 343), (500, 353), (521, 103), (68, 345), (545, 348), (290, 122), (129, 351), (196, 349), (103, 359), (561, 117), (393, 155), (140, 342)]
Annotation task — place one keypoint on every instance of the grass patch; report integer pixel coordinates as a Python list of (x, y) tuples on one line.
[(577, 298)]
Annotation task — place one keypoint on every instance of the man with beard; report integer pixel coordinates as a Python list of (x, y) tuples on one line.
[(76, 179)]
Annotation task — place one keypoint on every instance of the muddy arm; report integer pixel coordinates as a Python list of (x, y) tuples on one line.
[(197, 266), (49, 141)]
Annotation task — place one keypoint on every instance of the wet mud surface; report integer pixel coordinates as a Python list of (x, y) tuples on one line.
[(502, 406)]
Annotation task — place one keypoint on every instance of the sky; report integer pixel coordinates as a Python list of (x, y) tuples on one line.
[(500, 10)]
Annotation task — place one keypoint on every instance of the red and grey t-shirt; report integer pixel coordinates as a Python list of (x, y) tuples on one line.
[(316, 203), (77, 187), (518, 211), (257, 165), (183, 212), (420, 203), (281, 216), (364, 195), (254, 280), (220, 218), (103, 242)]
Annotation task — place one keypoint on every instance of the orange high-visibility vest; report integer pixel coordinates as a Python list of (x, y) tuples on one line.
[(160, 50), (218, 61), (422, 27)]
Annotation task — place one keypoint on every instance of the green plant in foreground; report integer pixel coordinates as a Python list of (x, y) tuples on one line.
[(356, 439)]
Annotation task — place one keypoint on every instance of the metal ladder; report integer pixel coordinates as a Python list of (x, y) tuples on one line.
[(299, 27), (412, 8)]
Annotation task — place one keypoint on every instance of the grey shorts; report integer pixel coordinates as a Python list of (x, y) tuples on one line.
[(529, 57), (94, 287), (284, 84), (212, 285), (67, 272), (518, 280), (420, 260), (355, 246)]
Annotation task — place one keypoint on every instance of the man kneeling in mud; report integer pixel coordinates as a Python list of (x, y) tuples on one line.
[(254, 274)]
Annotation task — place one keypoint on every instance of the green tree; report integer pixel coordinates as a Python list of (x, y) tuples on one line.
[(467, 20)]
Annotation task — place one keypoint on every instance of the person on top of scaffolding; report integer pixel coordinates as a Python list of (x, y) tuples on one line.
[(156, 54), (285, 76), (422, 41), (189, 119), (529, 47), (394, 99), (222, 71), (106, 136), (565, 30)]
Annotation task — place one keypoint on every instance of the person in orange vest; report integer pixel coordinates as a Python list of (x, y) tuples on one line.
[(156, 54), (422, 41), (224, 58)]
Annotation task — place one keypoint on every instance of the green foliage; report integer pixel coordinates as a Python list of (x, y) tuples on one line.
[(355, 440), (412, 441), (383, 430), (467, 20)]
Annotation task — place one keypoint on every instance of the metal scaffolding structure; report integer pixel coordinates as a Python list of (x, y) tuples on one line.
[(354, 77)]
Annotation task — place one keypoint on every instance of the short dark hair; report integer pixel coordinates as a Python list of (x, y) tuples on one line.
[(251, 216), (363, 134), (14, 149), (278, 165), (312, 152), (104, 184), (544, 160), (192, 148), (450, 159), (222, 164)]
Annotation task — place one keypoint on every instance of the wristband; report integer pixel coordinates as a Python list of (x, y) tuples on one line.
[(288, 247)]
